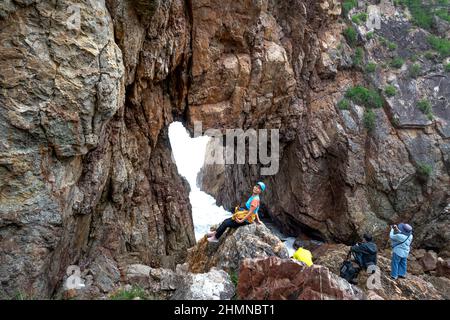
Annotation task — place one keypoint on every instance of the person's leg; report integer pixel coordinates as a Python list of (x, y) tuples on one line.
[(394, 265), (227, 223), (402, 266)]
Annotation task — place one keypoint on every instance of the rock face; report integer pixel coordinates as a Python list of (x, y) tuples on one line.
[(85, 161), (280, 279), (337, 179), (443, 268), (429, 261), (247, 242), (182, 285)]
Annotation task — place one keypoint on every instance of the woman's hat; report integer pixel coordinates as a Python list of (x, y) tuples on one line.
[(405, 228), (262, 185)]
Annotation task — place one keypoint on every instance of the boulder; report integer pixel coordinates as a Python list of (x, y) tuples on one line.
[(429, 261), (214, 285), (280, 279), (161, 283), (443, 267), (252, 241)]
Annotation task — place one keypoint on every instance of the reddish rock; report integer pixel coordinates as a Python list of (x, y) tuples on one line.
[(429, 261), (280, 279)]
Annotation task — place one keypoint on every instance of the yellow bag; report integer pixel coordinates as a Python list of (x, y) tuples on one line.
[(304, 256), (240, 214)]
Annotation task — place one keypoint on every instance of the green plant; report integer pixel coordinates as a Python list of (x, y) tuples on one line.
[(397, 62), (134, 292), (440, 45), (424, 171), (370, 35), (426, 108), (443, 14), (447, 67), (348, 5), (383, 40), (429, 55), (20, 295), (369, 119), (421, 13), (392, 46), (344, 104), (234, 277), (390, 91), (351, 35), (371, 67), (359, 18), (399, 3), (363, 96), (414, 70), (358, 57)]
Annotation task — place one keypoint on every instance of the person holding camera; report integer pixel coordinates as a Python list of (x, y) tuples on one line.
[(401, 238)]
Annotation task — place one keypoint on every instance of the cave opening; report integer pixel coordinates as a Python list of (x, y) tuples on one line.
[(189, 156)]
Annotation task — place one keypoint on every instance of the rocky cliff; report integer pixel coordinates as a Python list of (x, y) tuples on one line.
[(369, 145), (88, 89), (85, 162)]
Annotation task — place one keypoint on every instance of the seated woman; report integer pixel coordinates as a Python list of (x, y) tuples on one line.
[(252, 205)]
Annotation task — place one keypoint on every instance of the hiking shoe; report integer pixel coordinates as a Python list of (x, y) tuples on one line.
[(213, 239), (402, 277), (392, 278)]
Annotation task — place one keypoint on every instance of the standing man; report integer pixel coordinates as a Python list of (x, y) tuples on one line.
[(401, 238), (236, 221)]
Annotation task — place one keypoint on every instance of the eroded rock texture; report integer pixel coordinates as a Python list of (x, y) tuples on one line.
[(86, 175), (336, 179), (85, 162)]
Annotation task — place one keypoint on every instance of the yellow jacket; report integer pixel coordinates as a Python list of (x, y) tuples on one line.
[(304, 256)]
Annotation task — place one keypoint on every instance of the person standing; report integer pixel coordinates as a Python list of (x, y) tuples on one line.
[(252, 206), (401, 238)]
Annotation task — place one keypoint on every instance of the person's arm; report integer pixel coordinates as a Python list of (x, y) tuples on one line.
[(257, 219), (396, 237)]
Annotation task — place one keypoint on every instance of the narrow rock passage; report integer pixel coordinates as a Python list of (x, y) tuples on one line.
[(189, 154)]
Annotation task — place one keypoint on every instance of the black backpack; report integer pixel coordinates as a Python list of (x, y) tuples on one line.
[(348, 271)]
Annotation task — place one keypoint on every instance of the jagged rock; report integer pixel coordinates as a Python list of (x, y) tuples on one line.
[(419, 253), (367, 180), (213, 285), (180, 284), (414, 266), (87, 164), (279, 279), (252, 241), (412, 288), (309, 244), (443, 268), (106, 275), (429, 261)]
